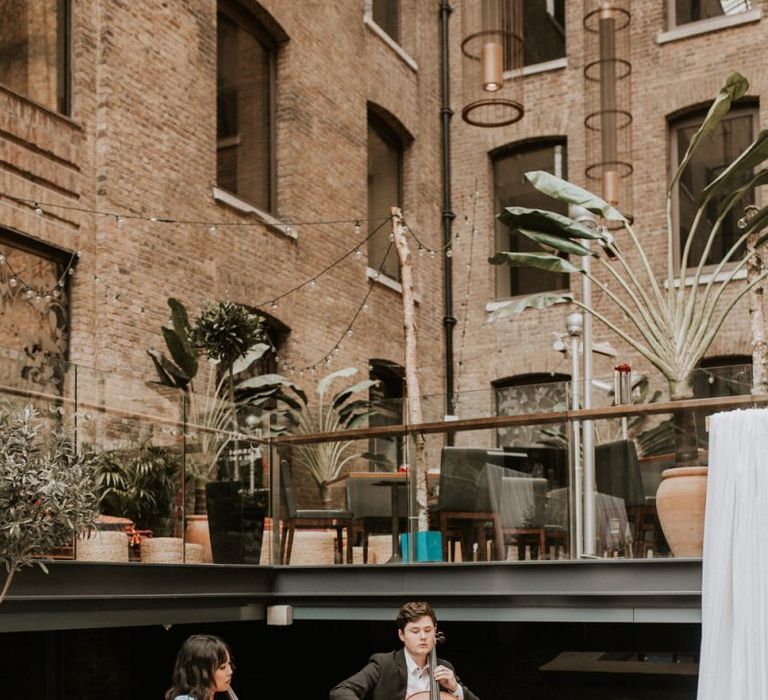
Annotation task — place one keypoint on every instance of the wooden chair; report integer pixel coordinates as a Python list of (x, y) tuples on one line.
[(464, 507), (307, 519), (371, 508)]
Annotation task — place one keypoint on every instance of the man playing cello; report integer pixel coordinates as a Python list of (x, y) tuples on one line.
[(405, 673)]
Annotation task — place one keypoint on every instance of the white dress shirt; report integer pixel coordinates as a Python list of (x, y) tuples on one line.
[(418, 678)]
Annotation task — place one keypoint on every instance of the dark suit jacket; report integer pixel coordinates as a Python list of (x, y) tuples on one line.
[(383, 678)]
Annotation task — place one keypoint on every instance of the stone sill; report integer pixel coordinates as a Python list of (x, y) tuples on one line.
[(389, 282), (231, 200), (706, 277), (536, 68), (401, 53), (706, 26)]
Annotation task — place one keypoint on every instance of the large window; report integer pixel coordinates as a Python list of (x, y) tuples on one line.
[(686, 11), (385, 166), (34, 52), (387, 397), (245, 107), (511, 189), (386, 13), (34, 313), (717, 150), (543, 31)]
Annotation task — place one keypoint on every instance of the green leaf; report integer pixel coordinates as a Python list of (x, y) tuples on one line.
[(541, 261), (328, 379), (343, 395), (572, 194), (545, 221), (562, 244), (255, 353), (181, 326), (169, 374), (735, 87), (515, 307), (750, 158), (759, 179), (187, 362)]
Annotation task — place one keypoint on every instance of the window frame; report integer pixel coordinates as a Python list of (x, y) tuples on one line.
[(248, 22), (688, 118), (502, 276), (716, 21), (552, 63), (391, 137)]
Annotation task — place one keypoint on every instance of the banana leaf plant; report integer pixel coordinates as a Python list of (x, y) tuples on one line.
[(347, 408), (212, 413), (671, 326)]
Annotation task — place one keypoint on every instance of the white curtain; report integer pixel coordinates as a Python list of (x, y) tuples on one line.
[(734, 643)]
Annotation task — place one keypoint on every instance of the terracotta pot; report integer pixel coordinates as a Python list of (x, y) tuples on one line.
[(680, 502), (197, 533)]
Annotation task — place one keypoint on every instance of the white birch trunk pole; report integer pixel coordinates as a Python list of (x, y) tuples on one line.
[(412, 390), (755, 267)]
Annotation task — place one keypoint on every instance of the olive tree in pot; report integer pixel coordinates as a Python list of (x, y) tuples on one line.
[(672, 327), (47, 492)]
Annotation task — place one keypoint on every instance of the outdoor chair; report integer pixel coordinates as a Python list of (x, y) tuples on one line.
[(519, 501), (464, 506), (371, 508), (306, 519)]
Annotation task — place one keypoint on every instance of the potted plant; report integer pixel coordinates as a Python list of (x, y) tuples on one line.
[(672, 327), (47, 494), (231, 339)]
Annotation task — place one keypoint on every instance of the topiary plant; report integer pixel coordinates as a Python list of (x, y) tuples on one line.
[(47, 492)]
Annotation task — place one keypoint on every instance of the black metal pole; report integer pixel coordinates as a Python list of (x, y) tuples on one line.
[(449, 322)]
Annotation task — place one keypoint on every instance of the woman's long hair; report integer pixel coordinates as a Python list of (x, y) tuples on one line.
[(196, 662)]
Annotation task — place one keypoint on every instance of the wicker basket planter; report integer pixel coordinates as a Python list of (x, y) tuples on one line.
[(162, 550), (194, 553), (103, 546)]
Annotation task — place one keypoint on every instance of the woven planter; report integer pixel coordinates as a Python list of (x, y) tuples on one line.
[(103, 546), (162, 550), (194, 553)]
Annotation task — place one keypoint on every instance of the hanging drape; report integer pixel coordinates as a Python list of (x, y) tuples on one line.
[(734, 644)]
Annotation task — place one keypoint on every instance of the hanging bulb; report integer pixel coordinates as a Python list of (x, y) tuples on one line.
[(358, 254), (312, 284), (357, 228), (421, 250), (212, 229), (289, 230), (120, 221), (56, 293), (274, 304), (13, 283), (365, 306), (431, 253), (391, 237), (2, 259), (349, 332), (71, 271), (449, 253), (38, 209)]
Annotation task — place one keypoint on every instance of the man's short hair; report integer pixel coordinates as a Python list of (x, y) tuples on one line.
[(410, 612)]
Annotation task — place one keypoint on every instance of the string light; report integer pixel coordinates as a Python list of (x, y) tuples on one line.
[(38, 209), (357, 228), (212, 229)]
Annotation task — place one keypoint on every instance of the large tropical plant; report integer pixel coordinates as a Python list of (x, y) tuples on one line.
[(231, 340), (332, 411), (671, 326)]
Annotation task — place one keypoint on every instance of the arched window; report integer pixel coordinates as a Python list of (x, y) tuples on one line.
[(717, 151), (511, 189), (245, 106), (385, 190)]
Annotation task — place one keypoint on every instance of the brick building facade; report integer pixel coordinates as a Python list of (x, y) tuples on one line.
[(125, 123)]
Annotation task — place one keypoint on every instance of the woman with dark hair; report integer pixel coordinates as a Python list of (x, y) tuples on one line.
[(203, 668)]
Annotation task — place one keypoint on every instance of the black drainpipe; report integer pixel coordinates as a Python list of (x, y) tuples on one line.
[(448, 216)]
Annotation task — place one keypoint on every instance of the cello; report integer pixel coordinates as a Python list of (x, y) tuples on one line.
[(435, 692)]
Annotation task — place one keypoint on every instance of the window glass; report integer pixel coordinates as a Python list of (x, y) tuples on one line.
[(716, 377), (717, 151), (384, 192), (543, 30), (243, 111), (386, 13), (33, 50), (511, 189), (387, 397), (34, 319), (694, 10)]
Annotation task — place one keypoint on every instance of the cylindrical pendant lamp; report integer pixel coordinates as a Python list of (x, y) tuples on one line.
[(607, 74), (492, 62)]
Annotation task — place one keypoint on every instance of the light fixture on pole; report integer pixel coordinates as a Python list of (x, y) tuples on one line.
[(492, 61), (607, 73)]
